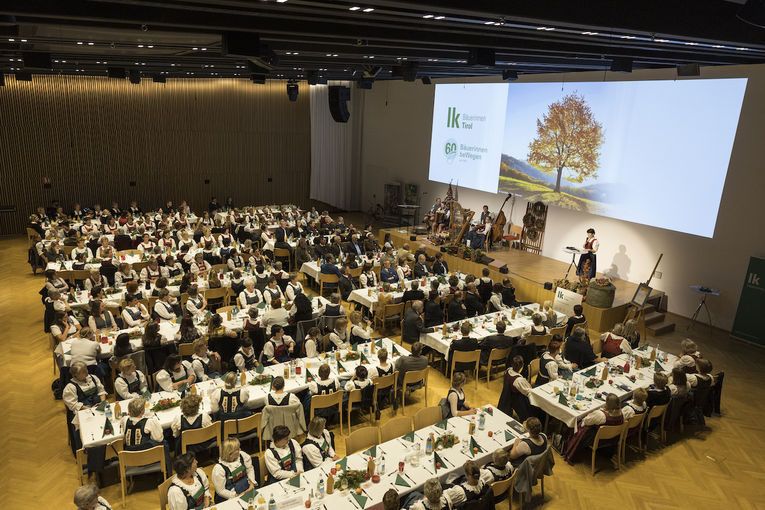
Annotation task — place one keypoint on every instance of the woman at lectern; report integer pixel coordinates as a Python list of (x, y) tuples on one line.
[(586, 267)]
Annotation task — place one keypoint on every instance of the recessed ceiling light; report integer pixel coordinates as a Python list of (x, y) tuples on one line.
[(150, 46), (334, 54), (439, 17), (491, 23), (78, 42), (627, 36), (589, 33), (743, 49), (718, 46), (661, 40), (428, 16), (140, 45), (289, 53), (11, 40), (195, 48), (354, 8), (328, 55), (295, 53), (90, 44), (204, 49), (369, 9), (280, 1), (691, 44), (23, 40)]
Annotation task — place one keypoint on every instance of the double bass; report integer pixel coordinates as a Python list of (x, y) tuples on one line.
[(498, 227)]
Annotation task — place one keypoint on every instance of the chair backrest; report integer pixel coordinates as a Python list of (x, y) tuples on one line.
[(395, 427), (394, 309), (281, 252), (608, 432), (385, 381), (427, 417), (356, 272), (215, 293), (533, 370), (504, 486), (636, 421), (539, 340), (328, 278), (361, 439), (200, 435), (328, 400), (217, 268), (303, 327), (655, 412), (241, 426), (558, 331), (143, 458), (515, 230), (413, 376), (79, 274), (163, 488), (466, 356), (499, 354), (185, 350), (224, 311)]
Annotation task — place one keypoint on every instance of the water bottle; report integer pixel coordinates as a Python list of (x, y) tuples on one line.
[(429, 445), (381, 466), (320, 488), (271, 504), (482, 420), (108, 412)]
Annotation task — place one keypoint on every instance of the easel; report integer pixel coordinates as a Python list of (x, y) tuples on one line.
[(637, 311)]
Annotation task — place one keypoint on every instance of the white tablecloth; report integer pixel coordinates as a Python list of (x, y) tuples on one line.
[(483, 326), (92, 421), (394, 451), (368, 298), (577, 407)]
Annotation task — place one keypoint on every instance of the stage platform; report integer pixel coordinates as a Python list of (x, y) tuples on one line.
[(529, 272)]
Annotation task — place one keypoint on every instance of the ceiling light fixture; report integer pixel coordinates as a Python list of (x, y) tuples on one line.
[(204, 49), (150, 46), (78, 42), (140, 45), (195, 49), (369, 9), (23, 40), (439, 17), (589, 33), (354, 8), (428, 16), (89, 44)]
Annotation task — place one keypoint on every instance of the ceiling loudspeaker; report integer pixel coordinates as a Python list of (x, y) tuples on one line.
[(135, 77), (240, 44), (37, 60), (426, 80), (338, 103), (688, 70), (509, 75), (292, 90), (116, 72), (23, 76), (621, 65), (481, 57), (258, 78), (409, 71), (314, 78)]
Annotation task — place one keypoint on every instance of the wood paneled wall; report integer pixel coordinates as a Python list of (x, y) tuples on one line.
[(91, 136)]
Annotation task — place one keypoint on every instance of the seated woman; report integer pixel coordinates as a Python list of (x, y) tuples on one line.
[(679, 385), (551, 363), (579, 349), (196, 304), (125, 274), (200, 267), (536, 328), (230, 402), (78, 264), (455, 398), (535, 444), (250, 296), (325, 384), (163, 308), (609, 415), (245, 358), (175, 373), (500, 467), (360, 380), (122, 347), (311, 343), (272, 291), (361, 329), (64, 326), (495, 301), (53, 282), (87, 498), (135, 314), (141, 433), (277, 396), (658, 393), (577, 318), (279, 348), (403, 270), (237, 283), (703, 377), (284, 457), (614, 343), (84, 390), (515, 392), (476, 483), (384, 298), (151, 272), (334, 308), (189, 418), (101, 320), (87, 349), (200, 360), (367, 278), (131, 382), (636, 405), (318, 445), (631, 333), (436, 498), (690, 353), (233, 475), (188, 332), (294, 287), (152, 336), (95, 280), (551, 318), (131, 287), (339, 336), (81, 249), (190, 488), (383, 367)]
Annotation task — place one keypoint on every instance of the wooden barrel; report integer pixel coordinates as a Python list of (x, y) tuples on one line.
[(600, 296)]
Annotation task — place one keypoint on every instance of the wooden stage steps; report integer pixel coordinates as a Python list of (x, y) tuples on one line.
[(656, 322)]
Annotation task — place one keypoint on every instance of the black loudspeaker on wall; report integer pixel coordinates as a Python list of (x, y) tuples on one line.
[(338, 103)]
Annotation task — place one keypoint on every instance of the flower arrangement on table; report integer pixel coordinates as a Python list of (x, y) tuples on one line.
[(446, 441), (165, 403), (174, 283), (527, 312), (111, 290), (593, 382), (136, 333), (354, 478), (352, 356), (261, 379), (93, 261)]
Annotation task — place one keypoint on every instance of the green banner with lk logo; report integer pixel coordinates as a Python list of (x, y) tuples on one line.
[(749, 324)]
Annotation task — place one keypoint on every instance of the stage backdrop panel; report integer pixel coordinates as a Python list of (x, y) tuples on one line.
[(92, 136)]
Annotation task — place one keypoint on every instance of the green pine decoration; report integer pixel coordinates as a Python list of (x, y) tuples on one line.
[(364, 359), (474, 445), (657, 367), (438, 461), (308, 376), (339, 367), (380, 343)]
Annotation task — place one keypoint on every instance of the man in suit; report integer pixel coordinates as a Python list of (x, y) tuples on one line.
[(415, 361), (473, 302), (456, 310), (508, 293), (354, 247), (579, 349), (335, 248), (371, 244), (320, 247), (421, 269), (281, 235), (464, 344), (413, 325), (413, 293), (421, 250), (434, 314), (329, 267), (345, 283), (122, 241), (214, 205), (497, 341), (440, 266), (403, 252)]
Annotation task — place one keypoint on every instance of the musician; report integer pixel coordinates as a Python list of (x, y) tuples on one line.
[(486, 214), (586, 268), (430, 217), (476, 238)]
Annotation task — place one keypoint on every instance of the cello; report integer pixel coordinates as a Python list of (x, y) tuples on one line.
[(498, 228)]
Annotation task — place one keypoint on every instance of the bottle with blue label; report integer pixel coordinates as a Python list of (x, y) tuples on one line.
[(482, 420), (320, 488), (429, 445), (108, 412), (272, 504)]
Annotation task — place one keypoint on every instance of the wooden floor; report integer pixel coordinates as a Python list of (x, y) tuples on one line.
[(722, 465)]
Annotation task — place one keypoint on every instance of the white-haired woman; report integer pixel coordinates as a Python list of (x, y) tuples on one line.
[(87, 498), (250, 295)]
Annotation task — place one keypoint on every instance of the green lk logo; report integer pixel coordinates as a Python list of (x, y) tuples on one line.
[(453, 118)]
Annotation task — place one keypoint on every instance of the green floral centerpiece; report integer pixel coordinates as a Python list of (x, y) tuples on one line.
[(354, 478), (137, 333), (593, 382), (111, 290), (446, 441), (352, 356), (165, 403), (261, 379)]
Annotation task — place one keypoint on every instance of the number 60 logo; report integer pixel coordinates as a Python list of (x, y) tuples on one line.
[(450, 149)]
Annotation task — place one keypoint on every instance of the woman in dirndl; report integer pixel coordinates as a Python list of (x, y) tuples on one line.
[(586, 268)]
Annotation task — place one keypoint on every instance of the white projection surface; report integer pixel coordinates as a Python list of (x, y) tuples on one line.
[(650, 152)]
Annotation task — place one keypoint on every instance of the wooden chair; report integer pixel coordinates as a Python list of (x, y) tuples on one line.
[(538, 475), (219, 268), (655, 413), (244, 429), (412, 377), (533, 370), (381, 383), (635, 423), (215, 294), (186, 350), (283, 253), (355, 273), (513, 234), (142, 462), (496, 355), (200, 435), (328, 280), (162, 489), (78, 274), (67, 250), (361, 440), (354, 397), (606, 432), (330, 400), (504, 489), (395, 427), (559, 331), (81, 459), (261, 460), (225, 311), (392, 312), (427, 417), (539, 340), (466, 357), (30, 234)]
